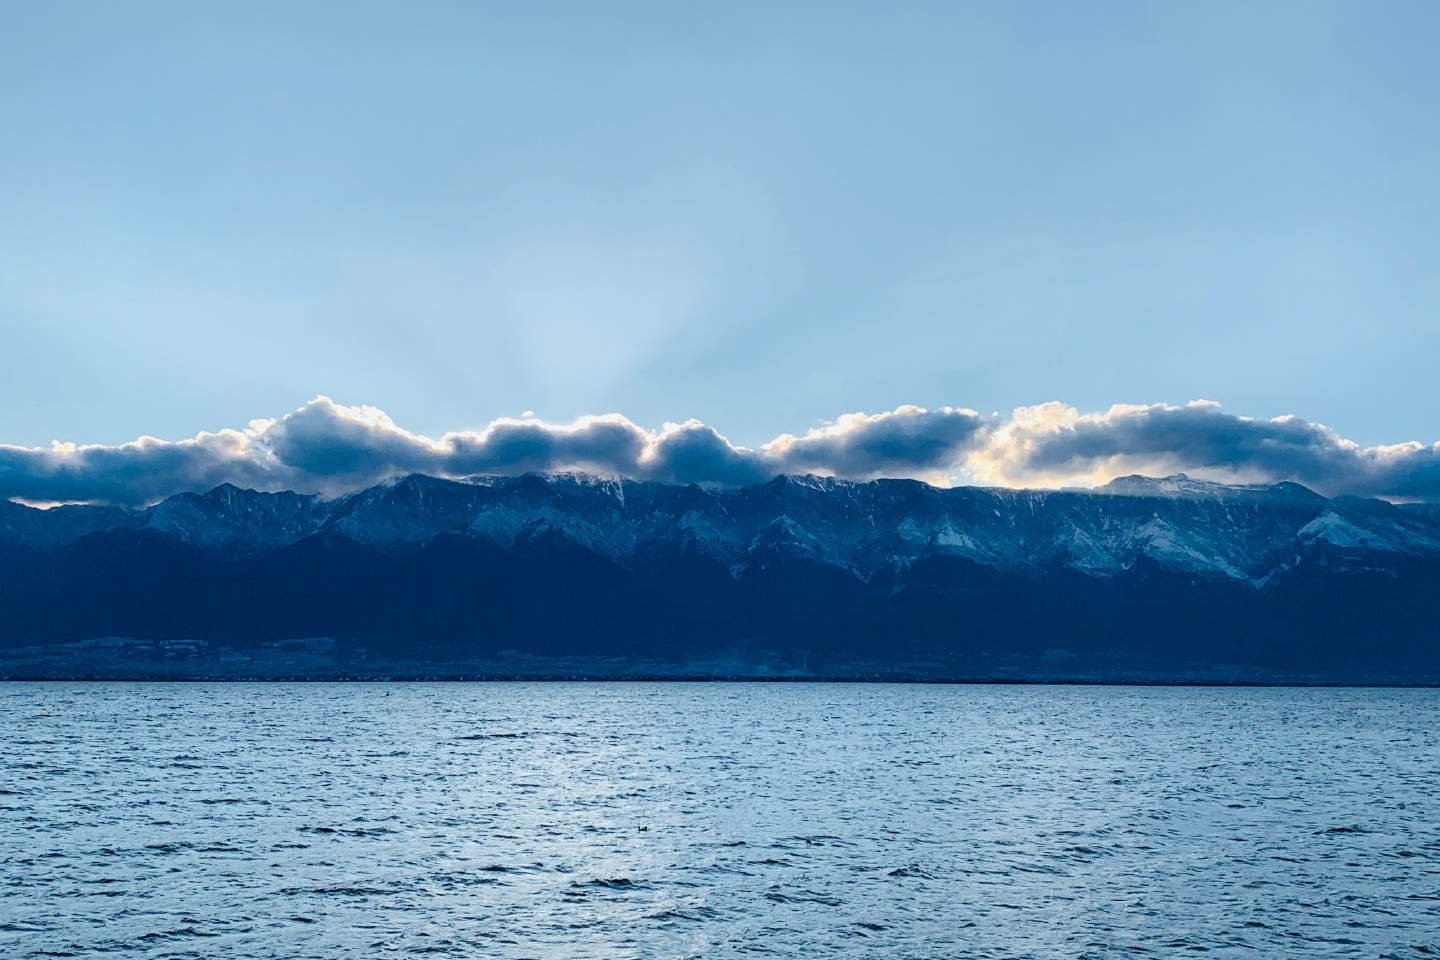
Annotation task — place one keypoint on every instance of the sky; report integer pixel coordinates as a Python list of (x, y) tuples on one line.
[(758, 216)]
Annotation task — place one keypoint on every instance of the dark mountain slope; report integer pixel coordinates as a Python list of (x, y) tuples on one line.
[(1169, 579)]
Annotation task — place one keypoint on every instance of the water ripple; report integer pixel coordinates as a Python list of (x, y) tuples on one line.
[(716, 820)]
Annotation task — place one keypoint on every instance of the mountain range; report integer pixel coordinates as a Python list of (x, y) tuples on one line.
[(1142, 579)]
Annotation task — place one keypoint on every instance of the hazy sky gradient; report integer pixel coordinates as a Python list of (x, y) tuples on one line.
[(758, 215)]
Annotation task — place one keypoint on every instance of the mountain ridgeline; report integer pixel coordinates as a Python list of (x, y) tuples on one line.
[(1172, 580)]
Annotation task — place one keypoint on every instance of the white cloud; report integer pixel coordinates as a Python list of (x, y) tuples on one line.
[(330, 448)]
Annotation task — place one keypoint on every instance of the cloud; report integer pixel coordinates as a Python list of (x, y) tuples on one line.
[(908, 441), (1052, 444), (136, 472), (329, 448), (692, 452)]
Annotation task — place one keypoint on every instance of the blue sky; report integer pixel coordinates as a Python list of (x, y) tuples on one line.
[(758, 215)]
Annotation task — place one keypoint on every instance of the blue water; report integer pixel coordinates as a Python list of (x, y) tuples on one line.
[(716, 820)]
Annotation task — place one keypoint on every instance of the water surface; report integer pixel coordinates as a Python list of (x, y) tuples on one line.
[(716, 820)]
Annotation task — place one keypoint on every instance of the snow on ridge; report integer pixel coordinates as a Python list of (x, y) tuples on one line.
[(1194, 527)]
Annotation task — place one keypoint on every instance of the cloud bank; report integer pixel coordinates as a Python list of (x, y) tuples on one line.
[(329, 448), (1052, 445)]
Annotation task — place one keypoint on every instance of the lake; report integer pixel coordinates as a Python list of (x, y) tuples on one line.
[(614, 820)]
